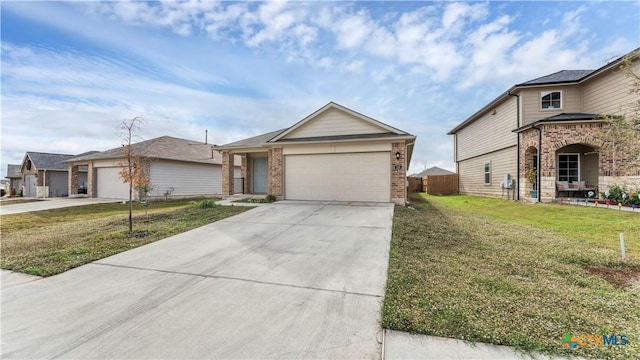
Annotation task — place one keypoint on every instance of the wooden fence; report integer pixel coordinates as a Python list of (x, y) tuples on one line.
[(440, 184), (434, 184)]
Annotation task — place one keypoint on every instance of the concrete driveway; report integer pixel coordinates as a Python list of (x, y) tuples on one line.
[(6, 208), (288, 280)]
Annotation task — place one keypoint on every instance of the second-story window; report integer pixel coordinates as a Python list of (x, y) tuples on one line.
[(551, 99)]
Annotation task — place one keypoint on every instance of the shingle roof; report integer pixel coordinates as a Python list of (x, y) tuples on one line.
[(256, 140), (564, 117), (343, 137), (433, 171), (14, 171), (47, 161), (563, 76), (164, 147)]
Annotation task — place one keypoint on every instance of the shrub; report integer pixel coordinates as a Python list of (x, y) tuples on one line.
[(205, 204), (620, 194), (270, 198)]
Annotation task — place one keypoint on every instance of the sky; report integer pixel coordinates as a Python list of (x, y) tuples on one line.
[(71, 72)]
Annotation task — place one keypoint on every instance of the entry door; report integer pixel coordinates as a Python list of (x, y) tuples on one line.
[(31, 182), (260, 175)]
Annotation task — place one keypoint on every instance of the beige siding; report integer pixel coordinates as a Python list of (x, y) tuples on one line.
[(187, 179), (531, 107), (471, 172), (489, 133), (334, 122), (336, 148), (608, 93)]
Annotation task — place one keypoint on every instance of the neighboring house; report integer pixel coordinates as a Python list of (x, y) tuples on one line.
[(432, 171), (550, 124), (177, 167), (45, 174), (14, 174), (333, 154)]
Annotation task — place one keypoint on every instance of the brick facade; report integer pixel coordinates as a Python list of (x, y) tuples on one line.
[(227, 173), (244, 172), (398, 173), (553, 138), (275, 172), (73, 180)]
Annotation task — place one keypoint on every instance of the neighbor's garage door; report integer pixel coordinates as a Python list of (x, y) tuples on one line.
[(342, 177), (110, 184)]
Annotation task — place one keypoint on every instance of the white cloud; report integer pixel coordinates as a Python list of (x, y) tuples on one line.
[(353, 29)]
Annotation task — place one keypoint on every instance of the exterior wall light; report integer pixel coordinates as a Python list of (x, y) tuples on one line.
[(398, 155)]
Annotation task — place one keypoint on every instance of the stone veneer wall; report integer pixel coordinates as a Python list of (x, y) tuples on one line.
[(274, 176), (398, 173)]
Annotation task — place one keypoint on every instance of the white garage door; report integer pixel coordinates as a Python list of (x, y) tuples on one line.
[(342, 177), (110, 185)]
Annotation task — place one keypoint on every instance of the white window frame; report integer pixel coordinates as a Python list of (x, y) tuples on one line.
[(558, 167), (486, 172), (545, 93)]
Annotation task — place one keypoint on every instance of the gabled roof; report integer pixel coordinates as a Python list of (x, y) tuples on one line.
[(432, 171), (47, 161), (563, 76), (277, 137), (563, 118), (14, 171), (560, 77), (333, 105), (164, 147)]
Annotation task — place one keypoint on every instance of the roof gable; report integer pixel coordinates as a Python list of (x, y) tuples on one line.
[(47, 161), (334, 120), (14, 171)]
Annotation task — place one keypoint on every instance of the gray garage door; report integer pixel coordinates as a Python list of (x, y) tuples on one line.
[(110, 185)]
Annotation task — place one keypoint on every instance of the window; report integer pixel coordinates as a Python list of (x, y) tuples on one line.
[(551, 99), (568, 167), (487, 172)]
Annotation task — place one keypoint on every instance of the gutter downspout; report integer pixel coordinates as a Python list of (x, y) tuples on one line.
[(518, 146)]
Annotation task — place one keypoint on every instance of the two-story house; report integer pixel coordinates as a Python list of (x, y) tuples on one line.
[(552, 124)]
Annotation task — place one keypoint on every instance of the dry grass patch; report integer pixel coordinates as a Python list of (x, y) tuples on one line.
[(472, 276)]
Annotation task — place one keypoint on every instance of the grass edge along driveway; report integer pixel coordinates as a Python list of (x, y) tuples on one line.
[(49, 242), (456, 269)]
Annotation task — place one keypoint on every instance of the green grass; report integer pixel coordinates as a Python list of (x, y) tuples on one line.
[(46, 243), (504, 273)]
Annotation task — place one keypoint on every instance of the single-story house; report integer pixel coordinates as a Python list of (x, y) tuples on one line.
[(333, 154), (14, 175), (553, 125), (45, 174), (177, 168), (432, 171)]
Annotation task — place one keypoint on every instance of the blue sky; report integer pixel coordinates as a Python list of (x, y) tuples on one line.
[(71, 72)]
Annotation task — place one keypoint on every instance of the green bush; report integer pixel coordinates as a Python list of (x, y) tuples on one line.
[(620, 194), (270, 198), (205, 204)]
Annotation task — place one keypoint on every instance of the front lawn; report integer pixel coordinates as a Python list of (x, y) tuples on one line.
[(49, 242), (505, 273)]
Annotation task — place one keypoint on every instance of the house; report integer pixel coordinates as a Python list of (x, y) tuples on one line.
[(432, 171), (177, 168), (14, 175), (333, 154), (45, 174), (550, 124)]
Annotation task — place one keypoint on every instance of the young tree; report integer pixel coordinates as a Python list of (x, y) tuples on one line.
[(134, 171)]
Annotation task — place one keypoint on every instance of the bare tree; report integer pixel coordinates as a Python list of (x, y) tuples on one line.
[(134, 171)]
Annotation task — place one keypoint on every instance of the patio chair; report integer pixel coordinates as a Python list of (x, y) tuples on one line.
[(564, 186)]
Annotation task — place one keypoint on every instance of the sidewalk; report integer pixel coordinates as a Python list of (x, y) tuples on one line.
[(402, 345)]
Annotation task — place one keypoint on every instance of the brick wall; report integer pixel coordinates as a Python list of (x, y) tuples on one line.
[(557, 136), (244, 172), (73, 180), (398, 173), (227, 173), (275, 168)]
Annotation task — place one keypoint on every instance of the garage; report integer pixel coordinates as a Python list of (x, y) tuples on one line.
[(110, 185), (341, 177)]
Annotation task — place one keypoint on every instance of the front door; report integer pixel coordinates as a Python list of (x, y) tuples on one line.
[(260, 175)]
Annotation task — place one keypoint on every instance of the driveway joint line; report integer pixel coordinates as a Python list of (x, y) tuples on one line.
[(236, 278), (299, 224)]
